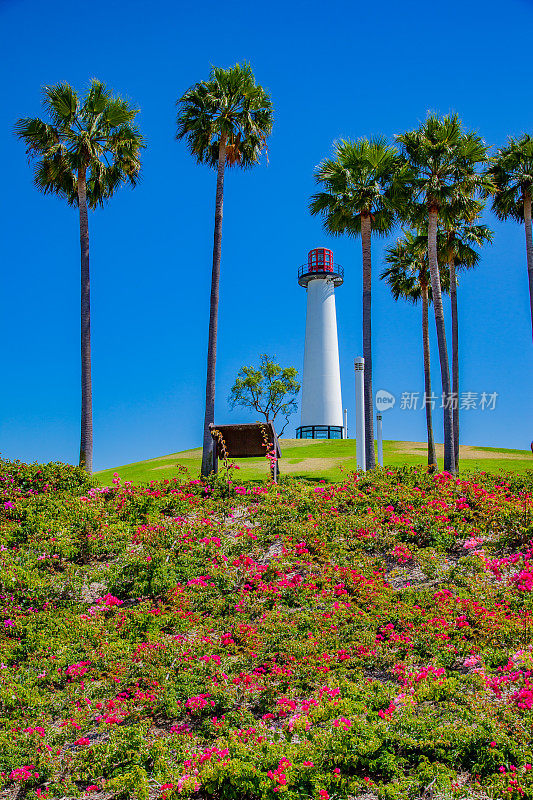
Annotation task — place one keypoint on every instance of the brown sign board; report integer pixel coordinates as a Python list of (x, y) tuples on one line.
[(246, 441)]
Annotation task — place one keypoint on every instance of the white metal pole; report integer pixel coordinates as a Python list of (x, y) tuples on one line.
[(379, 426), (345, 423), (359, 365)]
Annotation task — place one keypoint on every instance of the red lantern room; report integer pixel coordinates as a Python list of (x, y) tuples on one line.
[(320, 260), (320, 265)]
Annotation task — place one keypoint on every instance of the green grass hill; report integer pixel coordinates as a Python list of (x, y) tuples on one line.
[(317, 459)]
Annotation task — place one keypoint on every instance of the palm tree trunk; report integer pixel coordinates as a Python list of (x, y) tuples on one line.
[(455, 361), (86, 438), (366, 239), (432, 455), (449, 458), (209, 462), (529, 250)]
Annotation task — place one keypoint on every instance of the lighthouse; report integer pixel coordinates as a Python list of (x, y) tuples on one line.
[(321, 412)]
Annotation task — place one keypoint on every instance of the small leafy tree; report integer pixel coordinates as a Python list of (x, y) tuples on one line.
[(271, 390)]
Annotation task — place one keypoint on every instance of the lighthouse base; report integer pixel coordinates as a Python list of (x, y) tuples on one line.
[(320, 432)]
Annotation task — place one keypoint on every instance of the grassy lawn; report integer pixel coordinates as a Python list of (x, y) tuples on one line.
[(320, 460)]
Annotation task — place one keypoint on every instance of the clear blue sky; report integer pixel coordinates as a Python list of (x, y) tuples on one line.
[(338, 69)]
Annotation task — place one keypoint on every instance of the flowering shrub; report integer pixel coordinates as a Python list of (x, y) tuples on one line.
[(17, 477), (319, 641)]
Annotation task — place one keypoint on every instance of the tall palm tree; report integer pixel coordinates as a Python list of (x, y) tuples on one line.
[(83, 153), (225, 122), (443, 160), (458, 243), (408, 277), (362, 186), (511, 171)]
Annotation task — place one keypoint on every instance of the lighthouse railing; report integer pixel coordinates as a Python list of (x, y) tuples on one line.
[(321, 269)]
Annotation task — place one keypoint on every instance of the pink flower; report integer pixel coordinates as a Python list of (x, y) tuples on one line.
[(109, 600), (524, 580), (342, 722), (182, 729), (23, 773)]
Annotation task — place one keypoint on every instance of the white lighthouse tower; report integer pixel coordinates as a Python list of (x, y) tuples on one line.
[(321, 416)]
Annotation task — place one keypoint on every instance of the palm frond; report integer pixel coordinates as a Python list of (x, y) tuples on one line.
[(38, 136), (228, 107), (408, 270), (445, 161), (511, 176), (61, 103), (364, 177), (96, 136)]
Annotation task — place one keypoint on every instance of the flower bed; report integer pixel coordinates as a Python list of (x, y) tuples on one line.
[(372, 637)]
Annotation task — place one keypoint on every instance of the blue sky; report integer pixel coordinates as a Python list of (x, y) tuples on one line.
[(336, 69)]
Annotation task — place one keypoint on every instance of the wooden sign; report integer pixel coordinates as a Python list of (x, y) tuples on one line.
[(246, 441)]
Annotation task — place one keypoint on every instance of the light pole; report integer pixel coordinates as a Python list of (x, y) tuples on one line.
[(359, 365), (379, 427), (345, 423)]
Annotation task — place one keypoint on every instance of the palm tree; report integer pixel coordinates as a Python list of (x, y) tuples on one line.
[(408, 277), (443, 160), (457, 248), (225, 122), (87, 149), (362, 188), (512, 174)]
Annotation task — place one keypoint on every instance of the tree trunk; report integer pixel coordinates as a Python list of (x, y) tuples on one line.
[(366, 239), (455, 361), (432, 455), (86, 438), (209, 462), (449, 458), (529, 250)]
